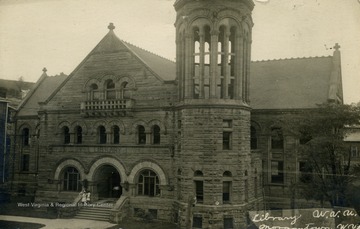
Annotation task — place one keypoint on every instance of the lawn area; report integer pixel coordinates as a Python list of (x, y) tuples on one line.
[(19, 225), (130, 223)]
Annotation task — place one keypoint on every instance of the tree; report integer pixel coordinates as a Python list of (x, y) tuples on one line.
[(328, 158)]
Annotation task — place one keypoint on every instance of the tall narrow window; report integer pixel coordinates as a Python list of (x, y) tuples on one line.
[(148, 183), (71, 179), (253, 138), (102, 135), (277, 139), (226, 191), (94, 92), (110, 90), (199, 186), (277, 172), (78, 134), (25, 137), (25, 162), (116, 134), (227, 183), (156, 134), (141, 135), (123, 90), (226, 140), (66, 135)]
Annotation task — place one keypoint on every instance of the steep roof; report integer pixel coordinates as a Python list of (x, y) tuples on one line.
[(39, 93), (290, 83), (161, 66)]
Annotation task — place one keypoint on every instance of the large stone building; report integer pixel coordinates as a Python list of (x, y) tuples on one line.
[(185, 141)]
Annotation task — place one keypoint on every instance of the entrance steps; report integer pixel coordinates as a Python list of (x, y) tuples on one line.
[(96, 211)]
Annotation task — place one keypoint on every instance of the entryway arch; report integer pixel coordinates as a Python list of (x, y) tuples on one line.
[(106, 176)]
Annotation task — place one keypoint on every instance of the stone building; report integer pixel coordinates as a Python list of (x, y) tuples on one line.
[(185, 141)]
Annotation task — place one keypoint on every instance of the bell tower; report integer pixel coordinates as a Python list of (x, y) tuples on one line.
[(213, 40), (217, 177)]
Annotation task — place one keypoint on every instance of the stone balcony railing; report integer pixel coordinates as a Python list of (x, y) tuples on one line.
[(121, 107)]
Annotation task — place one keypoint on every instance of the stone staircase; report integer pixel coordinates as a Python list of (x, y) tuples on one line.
[(99, 211)]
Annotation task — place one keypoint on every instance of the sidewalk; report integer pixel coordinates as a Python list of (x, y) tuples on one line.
[(60, 223)]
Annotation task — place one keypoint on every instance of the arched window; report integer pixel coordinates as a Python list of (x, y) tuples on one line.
[(110, 90), (94, 92), (78, 134), (148, 183), (123, 90), (277, 139), (156, 134), (66, 135), (227, 186), (116, 134), (199, 186), (71, 179), (102, 135), (141, 135), (253, 138), (25, 137)]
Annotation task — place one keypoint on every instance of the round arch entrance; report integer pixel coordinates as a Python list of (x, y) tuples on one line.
[(108, 180)]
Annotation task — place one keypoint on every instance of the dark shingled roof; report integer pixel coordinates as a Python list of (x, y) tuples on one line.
[(290, 83), (164, 68), (43, 88)]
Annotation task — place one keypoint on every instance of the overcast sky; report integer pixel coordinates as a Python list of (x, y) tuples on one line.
[(58, 34)]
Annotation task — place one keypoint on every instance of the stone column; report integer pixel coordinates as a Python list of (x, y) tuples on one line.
[(213, 62)]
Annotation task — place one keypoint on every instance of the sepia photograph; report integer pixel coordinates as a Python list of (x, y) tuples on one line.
[(188, 114)]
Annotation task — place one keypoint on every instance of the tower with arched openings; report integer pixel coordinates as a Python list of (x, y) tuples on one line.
[(215, 166)]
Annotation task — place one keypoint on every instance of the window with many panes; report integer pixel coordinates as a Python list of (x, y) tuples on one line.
[(71, 179), (148, 183), (197, 222)]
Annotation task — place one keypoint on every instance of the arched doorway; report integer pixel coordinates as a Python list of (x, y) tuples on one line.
[(108, 181)]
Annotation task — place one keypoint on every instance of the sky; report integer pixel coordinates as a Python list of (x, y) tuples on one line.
[(58, 34)]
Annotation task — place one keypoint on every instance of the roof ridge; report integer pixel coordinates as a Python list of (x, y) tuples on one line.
[(147, 50), (291, 58)]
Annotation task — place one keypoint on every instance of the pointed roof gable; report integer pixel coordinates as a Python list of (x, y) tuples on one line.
[(39, 93), (162, 68)]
